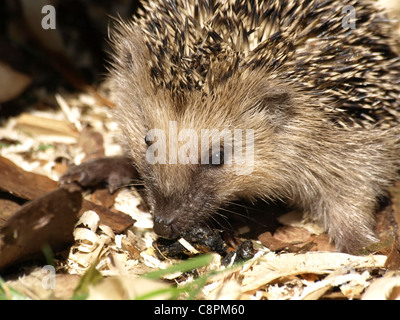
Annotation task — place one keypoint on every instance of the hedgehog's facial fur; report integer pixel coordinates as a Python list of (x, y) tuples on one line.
[(179, 205), (184, 195)]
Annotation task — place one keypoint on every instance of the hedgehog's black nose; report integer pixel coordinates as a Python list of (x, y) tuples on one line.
[(166, 228)]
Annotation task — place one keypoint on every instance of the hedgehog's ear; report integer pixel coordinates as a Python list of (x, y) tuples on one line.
[(277, 101), (130, 57)]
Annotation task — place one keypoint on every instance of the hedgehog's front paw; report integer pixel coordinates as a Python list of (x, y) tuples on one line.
[(113, 171)]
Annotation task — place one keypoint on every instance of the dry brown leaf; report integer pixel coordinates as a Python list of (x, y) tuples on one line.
[(103, 197), (92, 143), (271, 243), (297, 240), (292, 234), (395, 195), (393, 258), (12, 82)]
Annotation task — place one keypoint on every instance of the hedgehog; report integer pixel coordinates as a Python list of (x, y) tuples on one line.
[(314, 82)]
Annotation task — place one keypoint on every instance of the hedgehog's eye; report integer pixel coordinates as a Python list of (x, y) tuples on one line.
[(147, 140), (217, 158)]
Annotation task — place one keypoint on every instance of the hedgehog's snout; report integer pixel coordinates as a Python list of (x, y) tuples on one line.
[(166, 228)]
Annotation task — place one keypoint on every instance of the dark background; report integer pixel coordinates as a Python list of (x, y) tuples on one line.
[(82, 25)]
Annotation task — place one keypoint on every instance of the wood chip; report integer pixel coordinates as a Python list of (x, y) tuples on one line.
[(386, 288), (273, 266), (28, 185), (23, 184), (43, 126), (48, 220)]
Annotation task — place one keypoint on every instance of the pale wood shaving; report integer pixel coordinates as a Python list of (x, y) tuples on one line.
[(273, 266)]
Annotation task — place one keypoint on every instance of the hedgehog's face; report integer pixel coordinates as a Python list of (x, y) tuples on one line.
[(189, 178), (200, 159)]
